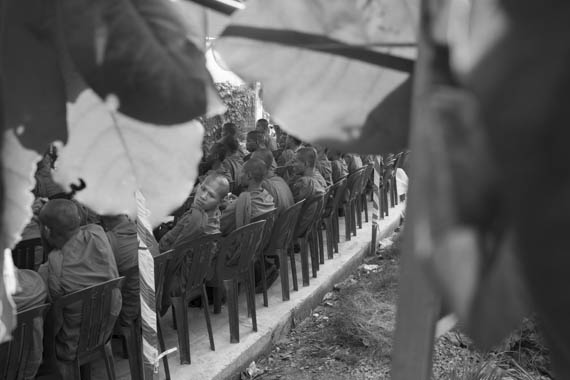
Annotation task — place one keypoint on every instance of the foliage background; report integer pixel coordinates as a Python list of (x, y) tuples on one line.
[(240, 101)]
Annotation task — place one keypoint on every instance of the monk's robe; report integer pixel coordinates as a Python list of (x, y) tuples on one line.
[(193, 224), (247, 206), (323, 165), (319, 177), (306, 187), (339, 170), (86, 259), (231, 168), (280, 191), (353, 162), (125, 245), (32, 291)]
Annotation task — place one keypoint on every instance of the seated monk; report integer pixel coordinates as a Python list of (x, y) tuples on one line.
[(308, 182), (32, 291), (275, 185), (252, 202), (225, 160), (122, 235), (292, 146), (338, 165), (203, 218), (323, 165), (353, 162), (81, 257)]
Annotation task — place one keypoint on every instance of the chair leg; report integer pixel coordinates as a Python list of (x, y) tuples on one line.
[(347, 221), (321, 245), (329, 237), (305, 261), (109, 362), (314, 254), (231, 300), (353, 220), (358, 208), (162, 346), (294, 271), (180, 310), (335, 232), (263, 281), (207, 316), (365, 207), (284, 273), (250, 277), (217, 300), (250, 293)]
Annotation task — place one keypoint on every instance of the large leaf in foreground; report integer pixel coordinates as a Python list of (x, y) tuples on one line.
[(322, 68), (138, 50), (18, 168), (116, 155), (33, 89)]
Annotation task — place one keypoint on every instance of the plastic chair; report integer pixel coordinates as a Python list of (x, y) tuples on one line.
[(15, 353), (279, 243), (362, 201), (330, 216), (303, 229), (237, 251), (161, 263), (194, 258), (95, 328), (269, 217), (351, 191), (316, 237), (24, 253)]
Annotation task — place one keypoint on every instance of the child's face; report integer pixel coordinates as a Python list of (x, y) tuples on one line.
[(207, 196), (251, 144)]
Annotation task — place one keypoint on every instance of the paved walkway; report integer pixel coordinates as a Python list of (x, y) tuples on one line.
[(273, 321)]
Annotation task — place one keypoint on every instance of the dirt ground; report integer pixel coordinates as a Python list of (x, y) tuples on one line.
[(349, 336)]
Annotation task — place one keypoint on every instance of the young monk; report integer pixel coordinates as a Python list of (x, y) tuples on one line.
[(275, 185), (323, 165), (338, 165), (203, 217), (122, 235), (252, 202), (81, 257), (292, 145), (353, 162), (226, 161)]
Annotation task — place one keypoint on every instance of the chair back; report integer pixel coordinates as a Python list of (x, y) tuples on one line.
[(196, 258), (353, 183), (15, 353), (97, 322), (312, 209), (238, 250), (24, 253), (161, 264), (336, 196), (365, 178), (282, 233), (270, 218)]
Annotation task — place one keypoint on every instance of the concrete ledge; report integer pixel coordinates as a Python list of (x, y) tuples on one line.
[(273, 322)]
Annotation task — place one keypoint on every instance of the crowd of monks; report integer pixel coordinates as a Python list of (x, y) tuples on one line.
[(235, 186)]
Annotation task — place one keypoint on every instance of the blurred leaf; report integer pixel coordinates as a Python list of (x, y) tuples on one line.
[(116, 155), (139, 51), (309, 81), (33, 88)]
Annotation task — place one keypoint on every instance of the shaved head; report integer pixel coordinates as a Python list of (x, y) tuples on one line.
[(308, 156), (219, 183), (256, 169), (264, 155), (61, 216)]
